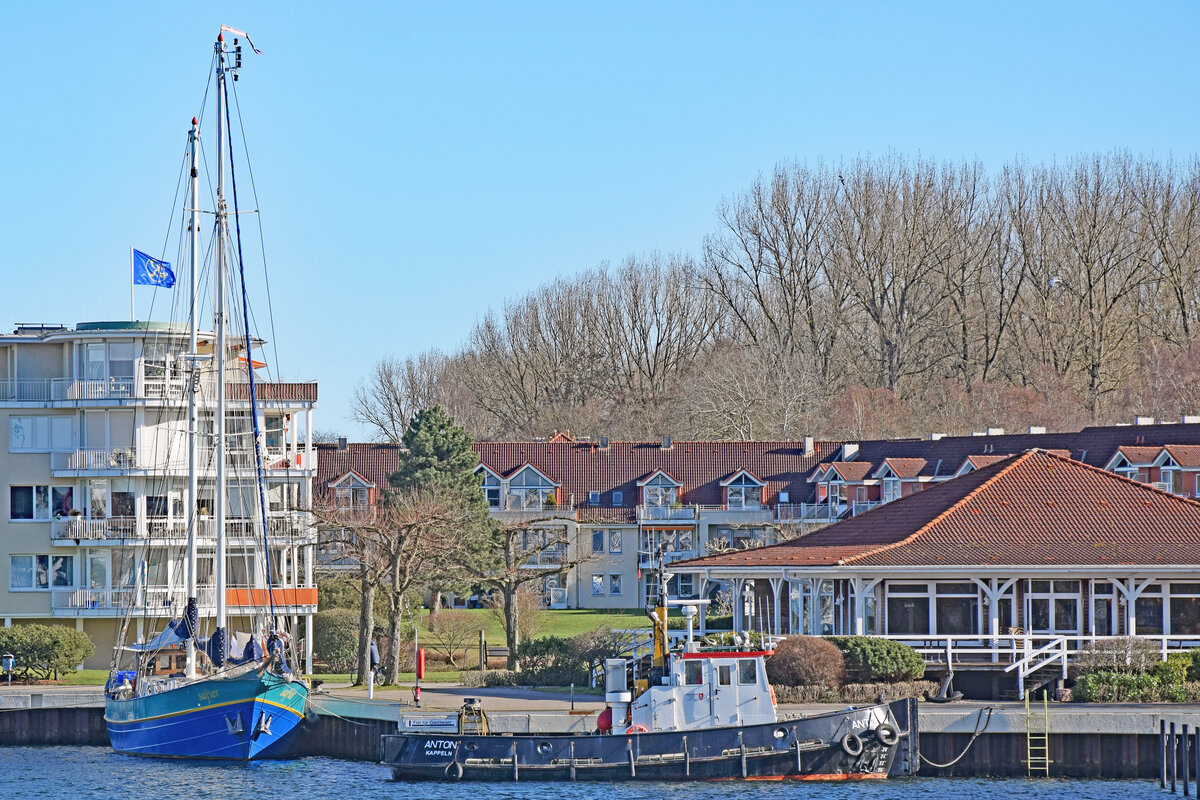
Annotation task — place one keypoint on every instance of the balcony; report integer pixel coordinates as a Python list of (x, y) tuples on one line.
[(863, 506), (668, 513), (649, 560), (24, 391), (126, 460), (172, 389), (809, 512), (286, 528), (170, 601), (554, 555)]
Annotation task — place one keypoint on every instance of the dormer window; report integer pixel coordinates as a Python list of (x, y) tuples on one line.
[(659, 490), (618, 499), (593, 498), (352, 493), (491, 486), (530, 490), (743, 491)]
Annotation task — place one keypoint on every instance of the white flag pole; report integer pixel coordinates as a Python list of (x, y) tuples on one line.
[(132, 315)]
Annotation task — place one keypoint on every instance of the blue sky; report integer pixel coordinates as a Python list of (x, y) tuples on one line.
[(418, 163)]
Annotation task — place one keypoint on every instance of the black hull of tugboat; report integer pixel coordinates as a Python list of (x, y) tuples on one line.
[(812, 748)]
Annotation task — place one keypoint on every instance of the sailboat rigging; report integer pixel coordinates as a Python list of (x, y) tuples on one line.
[(227, 702)]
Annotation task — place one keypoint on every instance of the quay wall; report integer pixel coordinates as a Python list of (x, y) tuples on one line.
[(1092, 743)]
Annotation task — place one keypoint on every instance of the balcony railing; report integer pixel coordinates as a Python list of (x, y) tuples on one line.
[(108, 459), (863, 506), (666, 513), (24, 391), (292, 527), (72, 389), (809, 512), (170, 600), (129, 459), (649, 559)]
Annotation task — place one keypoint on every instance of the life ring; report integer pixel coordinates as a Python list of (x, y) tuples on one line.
[(887, 735), (454, 771), (637, 729), (852, 744)]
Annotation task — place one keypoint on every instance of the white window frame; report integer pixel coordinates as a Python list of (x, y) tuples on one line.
[(617, 536), (49, 571)]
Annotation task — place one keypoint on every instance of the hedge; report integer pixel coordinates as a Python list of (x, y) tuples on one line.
[(871, 660)]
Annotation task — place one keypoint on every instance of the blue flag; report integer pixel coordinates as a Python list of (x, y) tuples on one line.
[(151, 272)]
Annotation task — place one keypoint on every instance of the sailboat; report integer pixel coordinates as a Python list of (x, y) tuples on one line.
[(237, 697)]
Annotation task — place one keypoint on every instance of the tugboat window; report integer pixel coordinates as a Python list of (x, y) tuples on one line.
[(747, 671), (725, 675), (693, 673)]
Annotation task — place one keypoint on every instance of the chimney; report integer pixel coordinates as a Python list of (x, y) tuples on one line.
[(1189, 419), (666, 443), (995, 431), (933, 437), (341, 443), (1143, 420), (809, 446), (849, 451), (1037, 429)]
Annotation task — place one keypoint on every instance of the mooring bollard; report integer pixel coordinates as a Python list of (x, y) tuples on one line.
[(1187, 761), (1162, 751), (1171, 745)]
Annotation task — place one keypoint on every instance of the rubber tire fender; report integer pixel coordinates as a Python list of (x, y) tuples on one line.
[(852, 744), (454, 771), (887, 735)]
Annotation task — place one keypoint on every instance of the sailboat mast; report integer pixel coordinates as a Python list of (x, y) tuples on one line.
[(219, 324), (193, 414)]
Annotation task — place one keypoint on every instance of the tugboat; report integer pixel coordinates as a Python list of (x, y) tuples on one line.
[(701, 713)]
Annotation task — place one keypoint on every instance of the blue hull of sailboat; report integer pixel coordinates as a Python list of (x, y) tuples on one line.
[(243, 718)]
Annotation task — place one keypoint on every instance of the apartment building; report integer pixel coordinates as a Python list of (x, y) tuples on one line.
[(96, 471)]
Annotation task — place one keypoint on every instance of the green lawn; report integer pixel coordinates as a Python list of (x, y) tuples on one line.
[(565, 623)]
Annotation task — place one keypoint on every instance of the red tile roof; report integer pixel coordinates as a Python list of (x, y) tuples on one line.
[(584, 467), (979, 462), (852, 470), (1139, 455), (1036, 508), (1185, 455), (373, 462), (906, 467)]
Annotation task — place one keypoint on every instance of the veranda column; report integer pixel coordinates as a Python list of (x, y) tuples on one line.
[(776, 591), (738, 585)]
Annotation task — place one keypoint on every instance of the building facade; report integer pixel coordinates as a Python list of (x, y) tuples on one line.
[(1022, 562), (97, 486)]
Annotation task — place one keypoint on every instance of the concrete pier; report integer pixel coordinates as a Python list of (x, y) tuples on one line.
[(1095, 741)]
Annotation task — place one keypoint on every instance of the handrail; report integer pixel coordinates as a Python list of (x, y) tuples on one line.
[(1059, 644)]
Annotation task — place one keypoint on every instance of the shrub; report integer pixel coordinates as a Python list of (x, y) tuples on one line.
[(857, 693), (1124, 655), (1194, 667), (871, 660), (45, 651), (549, 661), (1118, 687), (335, 638), (1173, 671), (806, 661)]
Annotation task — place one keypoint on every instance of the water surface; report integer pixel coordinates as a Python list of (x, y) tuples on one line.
[(79, 773)]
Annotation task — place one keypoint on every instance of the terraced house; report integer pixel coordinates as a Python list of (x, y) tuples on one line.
[(96, 474), (622, 502)]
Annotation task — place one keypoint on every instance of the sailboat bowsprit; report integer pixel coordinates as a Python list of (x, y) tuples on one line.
[(237, 697)]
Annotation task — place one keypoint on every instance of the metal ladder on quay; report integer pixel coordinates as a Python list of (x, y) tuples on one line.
[(1037, 737)]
